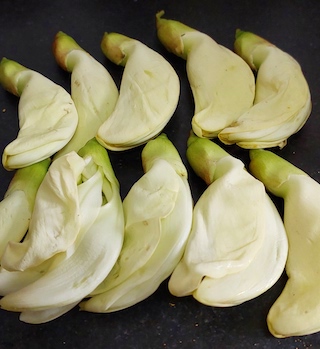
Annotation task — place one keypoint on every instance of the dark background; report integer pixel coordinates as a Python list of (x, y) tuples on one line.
[(27, 29)]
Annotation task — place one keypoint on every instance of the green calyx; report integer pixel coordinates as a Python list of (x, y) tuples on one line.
[(171, 34), (9, 71), (113, 46), (251, 47), (203, 155), (162, 148), (99, 155), (28, 180), (62, 45), (272, 170)]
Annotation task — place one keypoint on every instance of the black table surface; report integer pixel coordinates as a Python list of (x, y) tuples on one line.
[(27, 29)]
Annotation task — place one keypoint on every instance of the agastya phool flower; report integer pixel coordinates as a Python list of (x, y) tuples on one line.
[(56, 219), (17, 205), (296, 312), (54, 223), (158, 215), (69, 276), (149, 93), (222, 83), (282, 102), (93, 89), (47, 115), (237, 246)]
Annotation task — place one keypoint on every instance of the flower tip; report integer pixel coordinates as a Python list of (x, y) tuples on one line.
[(163, 136), (4, 60), (239, 32), (159, 14), (59, 34)]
